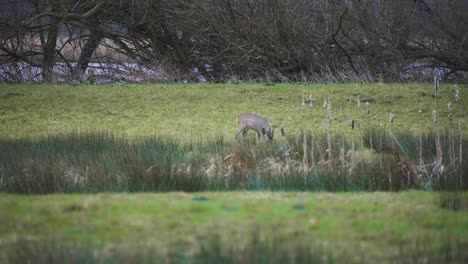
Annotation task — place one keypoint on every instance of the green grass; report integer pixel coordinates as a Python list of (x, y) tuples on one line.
[(191, 112), (142, 138), (59, 138), (357, 227)]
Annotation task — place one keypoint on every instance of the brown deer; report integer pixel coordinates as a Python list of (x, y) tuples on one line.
[(253, 121)]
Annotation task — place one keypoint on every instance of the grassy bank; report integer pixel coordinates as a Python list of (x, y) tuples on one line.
[(191, 112), (356, 227)]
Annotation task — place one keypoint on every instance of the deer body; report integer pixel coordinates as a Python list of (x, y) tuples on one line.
[(253, 121)]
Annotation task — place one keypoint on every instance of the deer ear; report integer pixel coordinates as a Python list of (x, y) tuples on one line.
[(263, 131)]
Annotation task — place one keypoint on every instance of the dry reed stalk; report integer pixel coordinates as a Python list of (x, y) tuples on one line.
[(353, 155), (438, 158), (381, 151), (460, 136), (451, 145), (368, 112), (449, 115), (397, 147), (342, 154), (312, 158), (460, 149), (304, 149), (422, 166), (330, 157), (361, 134), (421, 160)]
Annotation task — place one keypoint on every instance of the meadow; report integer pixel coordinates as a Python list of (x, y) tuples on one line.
[(194, 112), (80, 165)]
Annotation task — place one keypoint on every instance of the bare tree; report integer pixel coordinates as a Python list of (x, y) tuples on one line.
[(287, 40)]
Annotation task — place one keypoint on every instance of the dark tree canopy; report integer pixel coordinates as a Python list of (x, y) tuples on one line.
[(280, 40)]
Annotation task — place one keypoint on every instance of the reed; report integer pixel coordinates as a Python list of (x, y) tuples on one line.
[(212, 249), (101, 162)]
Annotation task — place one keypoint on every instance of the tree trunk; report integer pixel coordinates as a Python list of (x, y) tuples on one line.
[(86, 54), (48, 60)]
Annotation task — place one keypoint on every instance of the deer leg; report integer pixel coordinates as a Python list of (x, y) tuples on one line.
[(263, 133), (259, 135), (244, 134), (239, 131)]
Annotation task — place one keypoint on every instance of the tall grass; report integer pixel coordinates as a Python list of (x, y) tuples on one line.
[(215, 250), (100, 162), (210, 250)]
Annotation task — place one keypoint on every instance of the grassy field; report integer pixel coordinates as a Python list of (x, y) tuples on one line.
[(180, 138), (208, 111), (98, 151), (344, 227)]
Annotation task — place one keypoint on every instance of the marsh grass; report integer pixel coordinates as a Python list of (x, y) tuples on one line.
[(215, 250), (212, 250), (101, 162), (454, 196)]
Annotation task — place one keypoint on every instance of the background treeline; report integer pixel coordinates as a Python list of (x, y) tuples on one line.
[(232, 40)]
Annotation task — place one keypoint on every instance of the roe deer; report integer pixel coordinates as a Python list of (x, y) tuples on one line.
[(255, 122)]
